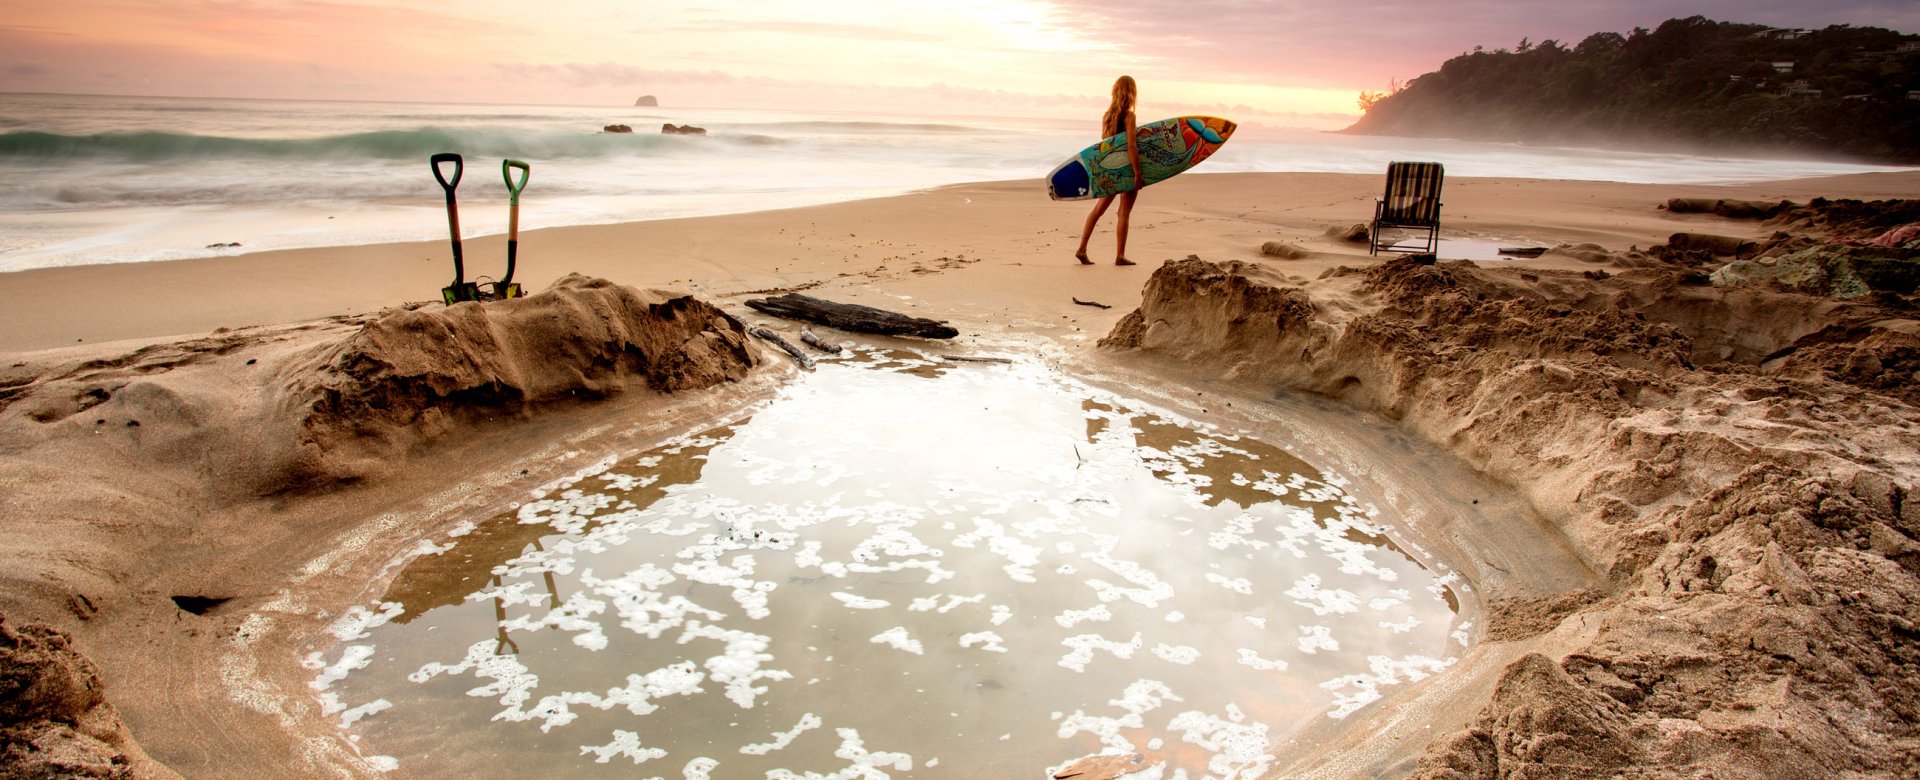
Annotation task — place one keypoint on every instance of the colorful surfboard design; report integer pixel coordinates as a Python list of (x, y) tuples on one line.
[(1167, 147)]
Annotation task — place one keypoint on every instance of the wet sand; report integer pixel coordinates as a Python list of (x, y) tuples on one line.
[(103, 527)]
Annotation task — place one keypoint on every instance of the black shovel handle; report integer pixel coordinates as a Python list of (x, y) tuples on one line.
[(453, 209)]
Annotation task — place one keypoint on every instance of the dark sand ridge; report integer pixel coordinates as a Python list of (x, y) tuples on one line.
[(985, 256)]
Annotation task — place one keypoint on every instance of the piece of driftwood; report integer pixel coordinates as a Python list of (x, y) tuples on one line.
[(1100, 767), (1523, 251), (800, 357), (851, 316), (968, 359), (819, 343), (1095, 304)]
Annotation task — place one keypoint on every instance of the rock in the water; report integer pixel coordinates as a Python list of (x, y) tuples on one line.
[(617, 129), (1586, 253), (1732, 209), (1819, 271), (1356, 233), (1282, 250), (673, 129), (1723, 246), (647, 101)]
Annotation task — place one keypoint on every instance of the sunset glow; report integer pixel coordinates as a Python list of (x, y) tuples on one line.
[(1284, 63)]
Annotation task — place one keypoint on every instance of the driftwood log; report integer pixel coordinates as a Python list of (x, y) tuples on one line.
[(819, 343), (802, 358), (851, 316)]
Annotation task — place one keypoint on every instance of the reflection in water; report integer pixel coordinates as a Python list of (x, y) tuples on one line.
[(431, 581), (977, 576), (1238, 469)]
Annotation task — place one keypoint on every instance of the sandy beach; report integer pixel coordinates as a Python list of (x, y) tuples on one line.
[(1704, 564)]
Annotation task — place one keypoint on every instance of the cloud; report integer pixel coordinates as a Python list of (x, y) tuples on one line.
[(27, 29), (24, 69), (806, 29), (614, 74)]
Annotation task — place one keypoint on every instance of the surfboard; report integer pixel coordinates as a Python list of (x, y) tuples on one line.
[(1167, 147)]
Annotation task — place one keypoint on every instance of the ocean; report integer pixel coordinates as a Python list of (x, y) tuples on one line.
[(104, 179)]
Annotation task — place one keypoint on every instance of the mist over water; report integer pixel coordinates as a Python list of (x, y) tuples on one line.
[(97, 179)]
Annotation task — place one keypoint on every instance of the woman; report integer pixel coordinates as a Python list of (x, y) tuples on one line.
[(1119, 119)]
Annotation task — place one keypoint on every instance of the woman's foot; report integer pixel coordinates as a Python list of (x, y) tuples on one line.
[(1122, 261), (1082, 255)]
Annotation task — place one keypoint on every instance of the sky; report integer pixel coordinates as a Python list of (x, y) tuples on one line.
[(1285, 63)]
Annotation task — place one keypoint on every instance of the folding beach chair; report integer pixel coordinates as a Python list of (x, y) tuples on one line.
[(1412, 202)]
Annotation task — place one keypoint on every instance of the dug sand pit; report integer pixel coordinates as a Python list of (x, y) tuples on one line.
[(194, 478), (1741, 477)]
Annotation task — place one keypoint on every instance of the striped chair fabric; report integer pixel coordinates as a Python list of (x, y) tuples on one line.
[(1412, 201)]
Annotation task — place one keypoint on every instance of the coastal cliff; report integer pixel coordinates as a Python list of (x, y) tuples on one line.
[(1691, 83)]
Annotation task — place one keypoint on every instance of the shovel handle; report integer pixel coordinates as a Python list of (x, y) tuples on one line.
[(453, 211), (459, 167), (513, 216), (506, 172)]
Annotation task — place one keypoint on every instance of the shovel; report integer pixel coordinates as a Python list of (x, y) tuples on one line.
[(506, 288), (461, 289)]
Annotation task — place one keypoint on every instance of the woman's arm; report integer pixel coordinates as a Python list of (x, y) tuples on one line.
[(1133, 152)]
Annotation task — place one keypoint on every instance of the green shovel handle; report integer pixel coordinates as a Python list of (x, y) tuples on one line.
[(506, 172)]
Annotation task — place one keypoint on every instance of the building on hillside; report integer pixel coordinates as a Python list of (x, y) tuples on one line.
[(1783, 67), (1785, 34)]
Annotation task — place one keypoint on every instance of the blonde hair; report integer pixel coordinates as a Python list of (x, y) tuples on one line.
[(1124, 92)]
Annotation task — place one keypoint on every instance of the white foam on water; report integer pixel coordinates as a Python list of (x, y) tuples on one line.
[(1177, 654), (898, 639), (625, 744), (1409, 624), (1239, 747), (952, 601), (1083, 646), (1139, 698), (1074, 617), (357, 621), (1240, 585), (987, 640), (1314, 639), (852, 601), (1251, 659), (1307, 592), (862, 764), (700, 768), (781, 740), (739, 667), (353, 715)]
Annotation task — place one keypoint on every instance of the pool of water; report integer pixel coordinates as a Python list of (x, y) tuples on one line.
[(1464, 248), (897, 567)]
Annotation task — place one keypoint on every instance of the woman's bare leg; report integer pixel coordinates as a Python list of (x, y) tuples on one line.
[(1086, 233), (1126, 210)]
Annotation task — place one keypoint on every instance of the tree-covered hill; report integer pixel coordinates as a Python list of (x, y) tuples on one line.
[(1690, 84)]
